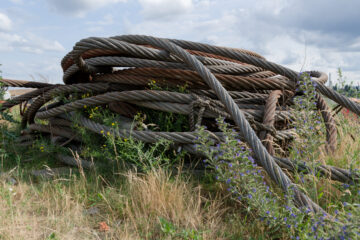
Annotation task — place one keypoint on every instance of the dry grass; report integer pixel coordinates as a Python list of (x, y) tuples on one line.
[(53, 210), (27, 213), (157, 195)]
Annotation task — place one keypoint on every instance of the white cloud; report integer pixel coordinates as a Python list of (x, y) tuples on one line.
[(160, 9), (5, 23), (7, 41), (28, 43), (79, 8)]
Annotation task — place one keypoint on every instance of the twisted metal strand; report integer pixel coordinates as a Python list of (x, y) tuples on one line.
[(24, 97), (29, 114), (269, 119), (26, 84), (330, 124)]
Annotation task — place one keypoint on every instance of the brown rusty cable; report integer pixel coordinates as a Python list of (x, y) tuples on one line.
[(269, 119)]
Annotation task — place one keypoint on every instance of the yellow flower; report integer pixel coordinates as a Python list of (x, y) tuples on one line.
[(113, 124), (90, 116), (125, 139), (85, 106), (153, 81), (96, 108), (108, 133), (102, 131), (104, 145)]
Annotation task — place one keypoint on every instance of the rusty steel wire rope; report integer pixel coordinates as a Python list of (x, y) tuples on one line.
[(132, 72)]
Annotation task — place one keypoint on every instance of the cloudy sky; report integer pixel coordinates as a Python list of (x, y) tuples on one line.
[(301, 34)]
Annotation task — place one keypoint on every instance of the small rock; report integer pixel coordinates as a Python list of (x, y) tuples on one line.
[(92, 211)]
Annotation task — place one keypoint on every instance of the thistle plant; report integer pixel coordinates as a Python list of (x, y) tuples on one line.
[(233, 165), (308, 122)]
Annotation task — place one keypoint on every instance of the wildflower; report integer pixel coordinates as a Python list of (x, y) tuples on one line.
[(85, 106), (102, 131), (108, 133), (125, 139), (112, 124), (228, 180)]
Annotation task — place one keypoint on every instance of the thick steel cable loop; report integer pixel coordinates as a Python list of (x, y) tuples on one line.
[(75, 88), (269, 119), (222, 51), (131, 38), (168, 102), (126, 48), (24, 97), (229, 61), (233, 82), (273, 67), (136, 95), (330, 124), (26, 84), (333, 95), (338, 98), (233, 94), (136, 62), (265, 158), (56, 130)]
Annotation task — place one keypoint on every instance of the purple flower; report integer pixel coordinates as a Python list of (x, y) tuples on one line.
[(228, 180)]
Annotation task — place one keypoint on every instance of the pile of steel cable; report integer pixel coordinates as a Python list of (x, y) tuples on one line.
[(255, 95)]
